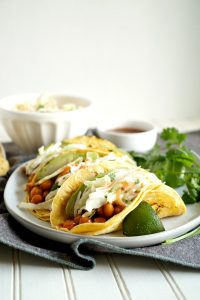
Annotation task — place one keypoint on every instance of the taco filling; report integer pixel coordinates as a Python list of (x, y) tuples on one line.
[(103, 197), (42, 188), (49, 170)]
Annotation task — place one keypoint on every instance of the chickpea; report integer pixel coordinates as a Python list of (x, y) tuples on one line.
[(37, 199), (100, 220), (118, 209), (100, 211), (69, 224), (29, 186), (30, 178), (84, 220), (108, 210), (46, 185), (35, 191), (77, 219)]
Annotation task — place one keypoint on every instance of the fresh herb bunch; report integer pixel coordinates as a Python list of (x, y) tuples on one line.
[(174, 163)]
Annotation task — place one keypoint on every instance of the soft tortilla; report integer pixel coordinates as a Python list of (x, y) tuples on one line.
[(92, 142), (163, 199), (43, 214)]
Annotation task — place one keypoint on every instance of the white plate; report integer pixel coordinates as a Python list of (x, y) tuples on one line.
[(175, 226)]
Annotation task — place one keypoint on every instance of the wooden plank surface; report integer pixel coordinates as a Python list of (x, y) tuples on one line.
[(187, 280), (6, 273), (98, 283), (142, 278), (40, 279), (24, 276)]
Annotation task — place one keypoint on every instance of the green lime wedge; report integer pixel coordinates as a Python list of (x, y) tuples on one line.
[(142, 221)]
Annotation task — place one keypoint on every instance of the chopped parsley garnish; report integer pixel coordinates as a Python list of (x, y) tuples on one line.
[(112, 176)]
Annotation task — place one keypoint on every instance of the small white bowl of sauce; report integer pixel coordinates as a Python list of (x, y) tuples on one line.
[(139, 136)]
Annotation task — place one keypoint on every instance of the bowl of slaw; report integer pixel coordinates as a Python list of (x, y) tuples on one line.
[(33, 120)]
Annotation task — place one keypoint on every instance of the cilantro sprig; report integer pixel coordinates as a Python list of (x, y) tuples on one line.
[(192, 233), (174, 163)]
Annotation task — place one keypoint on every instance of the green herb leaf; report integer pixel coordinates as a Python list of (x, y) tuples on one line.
[(172, 136), (173, 163), (112, 176)]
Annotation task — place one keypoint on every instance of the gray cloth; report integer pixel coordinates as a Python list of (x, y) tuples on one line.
[(79, 255)]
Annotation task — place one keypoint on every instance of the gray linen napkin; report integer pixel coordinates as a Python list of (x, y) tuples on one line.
[(79, 254)]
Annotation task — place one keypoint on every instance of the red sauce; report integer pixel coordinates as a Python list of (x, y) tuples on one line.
[(127, 130)]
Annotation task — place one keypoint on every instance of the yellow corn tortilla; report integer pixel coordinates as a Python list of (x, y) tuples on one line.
[(163, 199), (43, 214), (92, 142)]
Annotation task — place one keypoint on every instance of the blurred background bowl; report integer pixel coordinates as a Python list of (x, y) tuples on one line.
[(138, 136), (30, 130)]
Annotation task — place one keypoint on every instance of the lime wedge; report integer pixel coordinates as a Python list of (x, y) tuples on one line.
[(142, 221)]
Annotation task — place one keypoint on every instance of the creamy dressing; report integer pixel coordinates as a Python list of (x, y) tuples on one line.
[(102, 190)]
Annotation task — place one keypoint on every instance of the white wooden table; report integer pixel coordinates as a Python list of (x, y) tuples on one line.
[(26, 277), (23, 276)]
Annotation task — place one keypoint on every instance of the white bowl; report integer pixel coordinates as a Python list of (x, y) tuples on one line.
[(141, 141), (30, 130)]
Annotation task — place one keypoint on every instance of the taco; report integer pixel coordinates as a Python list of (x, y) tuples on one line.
[(81, 144), (96, 200), (47, 172)]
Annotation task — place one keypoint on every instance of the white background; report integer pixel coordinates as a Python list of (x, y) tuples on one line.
[(136, 58)]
